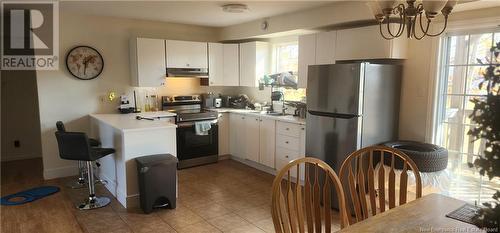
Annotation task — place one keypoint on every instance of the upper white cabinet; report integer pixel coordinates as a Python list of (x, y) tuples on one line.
[(147, 62), (315, 49), (254, 62), (231, 71), (186, 54), (215, 64), (223, 64), (367, 43)]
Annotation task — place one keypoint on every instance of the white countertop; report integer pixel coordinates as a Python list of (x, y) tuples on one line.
[(287, 118), (128, 122)]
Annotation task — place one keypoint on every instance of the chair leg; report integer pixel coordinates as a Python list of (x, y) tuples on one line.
[(80, 183), (93, 202)]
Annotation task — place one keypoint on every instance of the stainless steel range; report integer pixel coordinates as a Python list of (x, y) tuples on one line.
[(193, 147)]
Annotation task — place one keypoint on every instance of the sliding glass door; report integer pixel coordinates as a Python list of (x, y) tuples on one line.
[(464, 60)]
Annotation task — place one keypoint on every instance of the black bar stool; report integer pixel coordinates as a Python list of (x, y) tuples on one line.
[(82, 172), (76, 146)]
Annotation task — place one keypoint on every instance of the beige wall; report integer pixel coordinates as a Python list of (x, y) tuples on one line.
[(70, 100), (332, 14), (20, 119)]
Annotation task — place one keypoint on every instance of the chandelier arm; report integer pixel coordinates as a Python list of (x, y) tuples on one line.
[(403, 20), (421, 27), (424, 31), (400, 9), (382, 33), (444, 27)]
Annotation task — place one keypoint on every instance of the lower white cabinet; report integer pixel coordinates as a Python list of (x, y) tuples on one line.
[(223, 133), (237, 135), (252, 143), (267, 142)]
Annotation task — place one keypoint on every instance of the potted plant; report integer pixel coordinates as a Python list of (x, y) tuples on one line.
[(486, 115)]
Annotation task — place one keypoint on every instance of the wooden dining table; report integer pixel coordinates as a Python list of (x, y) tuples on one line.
[(426, 214)]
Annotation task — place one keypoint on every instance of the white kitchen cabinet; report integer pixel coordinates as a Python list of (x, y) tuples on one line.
[(315, 49), (147, 62), (366, 43), (254, 62), (186, 54), (223, 64), (223, 124), (325, 47), (290, 145), (215, 64), (307, 56), (267, 142), (231, 69), (252, 135), (237, 140)]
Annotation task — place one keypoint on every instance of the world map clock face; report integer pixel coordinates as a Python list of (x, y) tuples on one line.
[(84, 62)]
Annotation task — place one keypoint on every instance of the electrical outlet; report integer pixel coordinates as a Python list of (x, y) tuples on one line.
[(17, 143)]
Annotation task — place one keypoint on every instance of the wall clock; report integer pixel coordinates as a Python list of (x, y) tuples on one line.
[(84, 62)]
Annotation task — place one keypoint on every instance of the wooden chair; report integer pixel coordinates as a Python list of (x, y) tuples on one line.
[(362, 186), (296, 208)]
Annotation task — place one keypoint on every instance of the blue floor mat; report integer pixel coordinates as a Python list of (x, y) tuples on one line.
[(29, 195)]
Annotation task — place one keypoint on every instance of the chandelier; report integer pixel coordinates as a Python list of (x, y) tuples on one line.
[(415, 17)]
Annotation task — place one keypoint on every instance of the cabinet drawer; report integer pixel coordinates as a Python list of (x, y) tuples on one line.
[(287, 142), (289, 129), (286, 154)]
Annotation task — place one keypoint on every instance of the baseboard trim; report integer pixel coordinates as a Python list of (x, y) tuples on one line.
[(49, 174), (19, 157), (255, 165), (224, 157)]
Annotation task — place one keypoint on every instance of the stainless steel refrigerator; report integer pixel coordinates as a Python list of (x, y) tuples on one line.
[(350, 106)]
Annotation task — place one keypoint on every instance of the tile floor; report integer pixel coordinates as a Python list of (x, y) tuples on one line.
[(223, 197)]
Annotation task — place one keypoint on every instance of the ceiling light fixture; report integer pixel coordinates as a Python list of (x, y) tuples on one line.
[(235, 8), (406, 16)]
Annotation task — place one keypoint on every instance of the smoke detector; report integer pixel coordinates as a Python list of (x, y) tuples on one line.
[(235, 8)]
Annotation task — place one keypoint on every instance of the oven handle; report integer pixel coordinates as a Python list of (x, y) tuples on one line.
[(191, 123)]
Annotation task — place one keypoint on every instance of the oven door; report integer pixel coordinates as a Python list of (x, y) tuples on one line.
[(190, 145)]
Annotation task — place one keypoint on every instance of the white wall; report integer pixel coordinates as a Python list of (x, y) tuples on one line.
[(70, 100)]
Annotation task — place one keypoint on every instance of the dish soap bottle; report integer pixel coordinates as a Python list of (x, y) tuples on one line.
[(147, 105)]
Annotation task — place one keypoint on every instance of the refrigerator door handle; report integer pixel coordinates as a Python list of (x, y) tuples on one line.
[(333, 115)]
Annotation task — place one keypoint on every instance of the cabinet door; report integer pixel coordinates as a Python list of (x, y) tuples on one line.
[(186, 54), (366, 43), (267, 142), (148, 61), (224, 133), (231, 69), (325, 47), (237, 138), (302, 141), (252, 138), (215, 64), (307, 56), (247, 64)]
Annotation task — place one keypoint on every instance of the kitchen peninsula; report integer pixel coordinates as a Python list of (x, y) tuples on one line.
[(131, 138)]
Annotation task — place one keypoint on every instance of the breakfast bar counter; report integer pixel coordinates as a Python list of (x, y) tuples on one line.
[(131, 138)]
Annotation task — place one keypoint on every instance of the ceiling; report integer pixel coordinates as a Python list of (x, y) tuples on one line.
[(205, 13)]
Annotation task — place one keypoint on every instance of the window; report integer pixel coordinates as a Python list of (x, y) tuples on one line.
[(460, 75), (286, 60)]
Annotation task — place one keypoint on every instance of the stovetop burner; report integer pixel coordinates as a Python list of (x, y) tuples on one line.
[(187, 108)]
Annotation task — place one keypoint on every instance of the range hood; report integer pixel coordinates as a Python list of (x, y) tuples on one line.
[(187, 72)]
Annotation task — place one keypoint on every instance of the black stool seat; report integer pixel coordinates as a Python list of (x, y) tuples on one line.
[(98, 152)]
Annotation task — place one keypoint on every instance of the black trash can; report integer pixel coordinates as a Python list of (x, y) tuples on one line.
[(157, 176)]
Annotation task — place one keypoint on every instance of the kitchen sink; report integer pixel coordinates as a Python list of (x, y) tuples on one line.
[(277, 114)]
